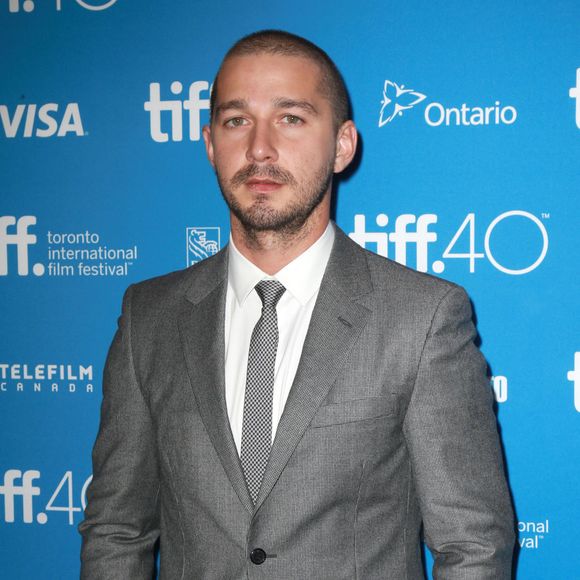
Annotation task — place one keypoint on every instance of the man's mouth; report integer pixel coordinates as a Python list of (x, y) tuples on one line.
[(262, 185)]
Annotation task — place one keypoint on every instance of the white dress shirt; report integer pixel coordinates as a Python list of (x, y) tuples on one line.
[(301, 278)]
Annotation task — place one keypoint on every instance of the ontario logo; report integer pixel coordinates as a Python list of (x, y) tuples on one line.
[(397, 100), (202, 242)]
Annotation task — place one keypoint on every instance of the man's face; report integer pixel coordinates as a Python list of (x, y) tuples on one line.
[(272, 141)]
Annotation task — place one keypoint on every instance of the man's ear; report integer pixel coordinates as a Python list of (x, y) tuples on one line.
[(206, 132), (346, 140)]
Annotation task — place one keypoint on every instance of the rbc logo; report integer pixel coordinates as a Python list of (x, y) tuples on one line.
[(22, 239), (202, 243), (194, 104)]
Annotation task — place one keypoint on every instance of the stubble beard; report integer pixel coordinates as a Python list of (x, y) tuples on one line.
[(260, 217)]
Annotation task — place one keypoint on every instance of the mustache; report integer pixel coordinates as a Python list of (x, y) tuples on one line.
[(273, 172)]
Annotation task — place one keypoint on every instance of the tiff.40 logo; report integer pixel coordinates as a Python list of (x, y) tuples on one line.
[(29, 5), (414, 231), (19, 484)]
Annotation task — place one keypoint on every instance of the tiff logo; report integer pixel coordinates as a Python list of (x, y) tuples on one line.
[(421, 237), (9, 490), (22, 239), (574, 377), (194, 104), (28, 5)]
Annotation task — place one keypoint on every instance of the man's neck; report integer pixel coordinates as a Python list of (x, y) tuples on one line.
[(271, 250)]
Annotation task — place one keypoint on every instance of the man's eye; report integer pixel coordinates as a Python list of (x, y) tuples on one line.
[(292, 119), (235, 122)]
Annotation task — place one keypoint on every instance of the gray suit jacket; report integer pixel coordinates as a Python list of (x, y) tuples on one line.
[(388, 426)]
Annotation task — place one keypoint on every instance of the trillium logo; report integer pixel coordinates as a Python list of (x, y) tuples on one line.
[(397, 99)]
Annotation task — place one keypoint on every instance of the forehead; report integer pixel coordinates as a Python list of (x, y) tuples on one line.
[(269, 75)]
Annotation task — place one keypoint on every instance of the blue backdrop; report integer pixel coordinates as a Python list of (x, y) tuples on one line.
[(469, 116)]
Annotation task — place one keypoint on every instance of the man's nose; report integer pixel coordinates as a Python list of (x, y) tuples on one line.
[(262, 145)]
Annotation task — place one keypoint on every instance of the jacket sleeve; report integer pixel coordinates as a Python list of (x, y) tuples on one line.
[(456, 457), (121, 519)]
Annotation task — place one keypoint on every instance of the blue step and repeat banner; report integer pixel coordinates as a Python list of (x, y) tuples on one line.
[(469, 117)]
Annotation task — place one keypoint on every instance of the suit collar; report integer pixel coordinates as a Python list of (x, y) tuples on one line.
[(301, 277), (205, 276), (346, 272)]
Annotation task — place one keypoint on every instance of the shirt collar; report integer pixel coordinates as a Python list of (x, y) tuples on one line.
[(301, 277)]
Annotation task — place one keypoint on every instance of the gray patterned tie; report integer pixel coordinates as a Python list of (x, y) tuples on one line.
[(257, 422)]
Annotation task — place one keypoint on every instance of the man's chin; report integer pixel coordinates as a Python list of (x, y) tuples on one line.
[(266, 219)]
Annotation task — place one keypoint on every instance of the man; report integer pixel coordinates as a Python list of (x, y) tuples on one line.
[(294, 407)]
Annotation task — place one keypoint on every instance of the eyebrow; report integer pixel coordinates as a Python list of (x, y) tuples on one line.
[(283, 103), (235, 104), (279, 103)]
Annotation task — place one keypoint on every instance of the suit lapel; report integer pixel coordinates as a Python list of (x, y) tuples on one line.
[(201, 326), (336, 323)]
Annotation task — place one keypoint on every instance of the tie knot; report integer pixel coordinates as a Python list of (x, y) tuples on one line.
[(270, 291)]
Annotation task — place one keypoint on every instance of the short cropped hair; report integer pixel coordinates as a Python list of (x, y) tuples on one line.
[(283, 43)]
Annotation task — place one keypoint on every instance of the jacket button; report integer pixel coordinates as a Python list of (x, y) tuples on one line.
[(258, 556)]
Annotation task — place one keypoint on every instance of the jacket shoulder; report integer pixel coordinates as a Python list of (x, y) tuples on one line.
[(387, 271), (391, 278)]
